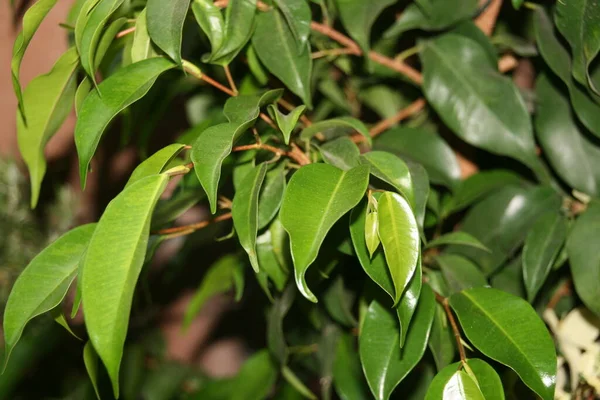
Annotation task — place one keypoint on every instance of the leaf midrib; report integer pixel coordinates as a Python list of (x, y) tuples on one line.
[(288, 52)]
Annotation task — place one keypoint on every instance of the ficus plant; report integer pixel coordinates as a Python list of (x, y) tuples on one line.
[(324, 141)]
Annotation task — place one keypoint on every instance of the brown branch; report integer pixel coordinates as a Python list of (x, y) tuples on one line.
[(563, 291), (230, 80), (444, 302), (332, 52), (487, 20), (187, 229), (385, 124), (507, 62), (259, 4), (300, 158), (125, 32)]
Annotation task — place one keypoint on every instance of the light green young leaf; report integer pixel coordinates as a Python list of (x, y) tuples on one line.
[(409, 301), (271, 195), (436, 388), (502, 128), (392, 170), (297, 384), (584, 257), (218, 279), (111, 267), (542, 246), (460, 273), (90, 360), (461, 386), (142, 47), (165, 25), (31, 22), (501, 326), (256, 377), (155, 163), (44, 283), (385, 365), (49, 100), (298, 17), (59, 317), (457, 238), (215, 143), (348, 378), (287, 123), (399, 235), (120, 90), (244, 211), (342, 153), (371, 235), (268, 262), (239, 25), (276, 48), (317, 196), (335, 127), (210, 19)]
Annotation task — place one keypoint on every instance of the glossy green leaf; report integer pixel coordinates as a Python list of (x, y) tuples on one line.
[(392, 170), (341, 153), (348, 378), (338, 301), (276, 48), (165, 25), (457, 238), (461, 386), (239, 25), (268, 262), (510, 278), (420, 181), (297, 384), (89, 29), (465, 98), (399, 237), (336, 126), (298, 17), (256, 377), (358, 18), (90, 360), (156, 163), (275, 335), (409, 301), (384, 363), (436, 388), (460, 273), (49, 100), (111, 267), (542, 245), (82, 91), (218, 279), (287, 123), (215, 143), (142, 47), (271, 195), (44, 283), (120, 90), (31, 22), (441, 340), (579, 22), (371, 235), (584, 259), (244, 211), (210, 19), (506, 329), (487, 379), (571, 155), (317, 196), (425, 147)]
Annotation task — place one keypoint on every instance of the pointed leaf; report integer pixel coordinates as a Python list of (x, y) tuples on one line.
[(409, 302), (256, 377), (298, 17), (268, 262), (392, 170), (317, 196), (480, 185), (336, 126), (460, 273), (210, 19), (271, 195), (457, 238), (90, 360), (461, 386), (111, 267), (287, 123), (165, 25), (142, 47), (275, 335), (371, 235), (239, 25), (338, 301), (487, 379), (49, 100), (399, 237), (276, 48), (385, 365), (123, 88), (436, 388), (341, 153), (502, 326), (44, 283), (348, 378), (155, 163)]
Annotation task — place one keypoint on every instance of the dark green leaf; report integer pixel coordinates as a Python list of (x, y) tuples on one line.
[(298, 16), (90, 360), (502, 326), (409, 301), (210, 19), (460, 273), (268, 262), (165, 25), (457, 238), (297, 384), (341, 153), (275, 336), (487, 379), (441, 340), (392, 170), (155, 163), (510, 278), (239, 25), (271, 195), (336, 126), (256, 377), (316, 197), (287, 123), (348, 378), (420, 181), (123, 88), (517, 3), (142, 47), (436, 389), (338, 302), (461, 386)]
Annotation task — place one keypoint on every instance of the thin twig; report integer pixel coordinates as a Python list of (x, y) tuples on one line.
[(332, 52), (125, 32), (280, 152), (230, 80), (507, 63), (187, 229), (387, 123), (444, 302), (562, 291)]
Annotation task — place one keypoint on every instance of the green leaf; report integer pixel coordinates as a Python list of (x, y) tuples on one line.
[(487, 379), (287, 123), (82, 91), (268, 262), (335, 127), (510, 278), (332, 193), (142, 47), (49, 100), (517, 4), (338, 302), (420, 181), (399, 236), (111, 267), (120, 90), (384, 363), (31, 22), (90, 360), (392, 170), (244, 211), (436, 388), (348, 378), (461, 386), (88, 30), (297, 384), (542, 245), (156, 163), (570, 154), (44, 283), (584, 259), (298, 17), (409, 302), (256, 377), (371, 235), (425, 147), (358, 18), (271, 195), (441, 340), (457, 238), (218, 279), (276, 48), (465, 98), (239, 25), (579, 23), (341, 153), (107, 39), (459, 272), (165, 25), (502, 326), (275, 335), (210, 19), (375, 267)]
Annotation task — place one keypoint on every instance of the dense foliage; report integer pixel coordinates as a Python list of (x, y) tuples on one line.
[(332, 146)]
